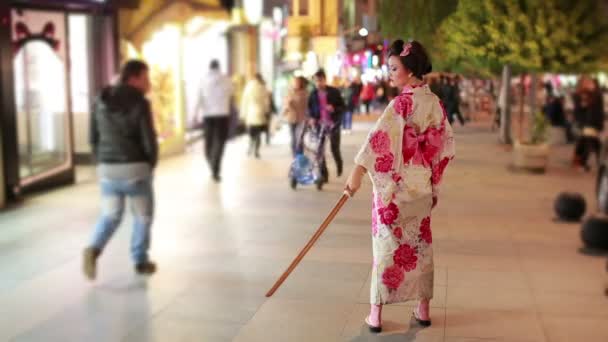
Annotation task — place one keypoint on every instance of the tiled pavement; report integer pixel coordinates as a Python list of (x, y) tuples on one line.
[(504, 270)]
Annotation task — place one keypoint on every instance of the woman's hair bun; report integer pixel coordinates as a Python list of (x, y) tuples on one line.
[(417, 60)]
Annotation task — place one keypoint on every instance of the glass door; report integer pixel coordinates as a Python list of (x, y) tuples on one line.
[(41, 93), (80, 97)]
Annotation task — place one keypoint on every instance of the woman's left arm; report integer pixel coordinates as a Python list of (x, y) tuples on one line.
[(444, 156)]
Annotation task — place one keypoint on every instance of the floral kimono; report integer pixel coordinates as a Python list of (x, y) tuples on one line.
[(405, 155)]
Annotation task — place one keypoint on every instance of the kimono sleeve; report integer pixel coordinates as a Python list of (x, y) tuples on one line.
[(378, 153), (445, 154)]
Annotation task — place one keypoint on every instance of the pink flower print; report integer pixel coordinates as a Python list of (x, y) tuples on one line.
[(398, 232), (425, 230), (380, 142), (384, 163), (389, 214), (404, 105), (405, 256), (396, 177), (393, 277), (438, 170)]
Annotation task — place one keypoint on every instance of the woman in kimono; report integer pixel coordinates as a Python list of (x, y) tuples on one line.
[(405, 155)]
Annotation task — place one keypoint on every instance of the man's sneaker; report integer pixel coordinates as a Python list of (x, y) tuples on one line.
[(146, 268), (89, 262)]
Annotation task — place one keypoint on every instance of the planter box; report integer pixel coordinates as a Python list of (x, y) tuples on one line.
[(530, 157)]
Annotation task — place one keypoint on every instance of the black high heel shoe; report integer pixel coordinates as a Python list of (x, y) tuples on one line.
[(424, 323), (374, 329)]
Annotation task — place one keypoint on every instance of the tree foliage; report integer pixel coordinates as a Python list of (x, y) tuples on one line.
[(531, 35), (414, 19)]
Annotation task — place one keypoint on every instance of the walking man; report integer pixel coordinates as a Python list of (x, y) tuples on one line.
[(326, 107), (214, 100), (124, 143)]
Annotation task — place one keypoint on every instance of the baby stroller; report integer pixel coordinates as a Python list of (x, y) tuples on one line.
[(308, 167)]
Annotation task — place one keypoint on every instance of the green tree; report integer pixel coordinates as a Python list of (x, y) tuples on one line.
[(414, 19), (530, 35)]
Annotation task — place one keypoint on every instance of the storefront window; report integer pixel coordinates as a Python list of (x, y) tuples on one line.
[(298, 7), (303, 10), (163, 52), (41, 93)]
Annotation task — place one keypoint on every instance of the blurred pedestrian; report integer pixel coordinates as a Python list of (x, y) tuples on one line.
[(214, 99), (443, 89), (452, 97), (405, 156), (435, 86), (326, 107), (272, 110), (255, 105), (381, 94), (554, 111), (124, 143), (356, 86), (294, 109), (347, 94), (367, 96), (590, 118)]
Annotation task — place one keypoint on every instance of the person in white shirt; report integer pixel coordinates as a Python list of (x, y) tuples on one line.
[(255, 104), (214, 98)]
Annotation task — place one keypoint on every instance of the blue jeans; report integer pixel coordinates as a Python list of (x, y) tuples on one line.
[(141, 197), (294, 133), (347, 121)]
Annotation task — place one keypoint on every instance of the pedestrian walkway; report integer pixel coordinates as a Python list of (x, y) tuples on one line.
[(504, 270)]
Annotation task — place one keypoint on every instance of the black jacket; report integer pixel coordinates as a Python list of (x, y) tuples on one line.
[(334, 98), (554, 110), (121, 127), (451, 98), (591, 115)]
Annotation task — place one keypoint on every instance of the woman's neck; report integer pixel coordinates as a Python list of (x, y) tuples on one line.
[(412, 84), (415, 82)]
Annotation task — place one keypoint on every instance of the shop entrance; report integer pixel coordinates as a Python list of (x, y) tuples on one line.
[(41, 94)]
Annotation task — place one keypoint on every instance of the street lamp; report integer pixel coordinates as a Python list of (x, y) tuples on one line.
[(363, 32)]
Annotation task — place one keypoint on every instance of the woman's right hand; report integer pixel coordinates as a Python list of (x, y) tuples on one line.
[(354, 180)]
